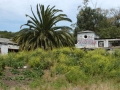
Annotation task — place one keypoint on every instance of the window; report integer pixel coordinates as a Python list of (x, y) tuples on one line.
[(100, 43), (85, 36)]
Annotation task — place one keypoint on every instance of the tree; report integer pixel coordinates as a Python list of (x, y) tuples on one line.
[(6, 34), (109, 32), (115, 17), (89, 19), (104, 22), (41, 30), (94, 19)]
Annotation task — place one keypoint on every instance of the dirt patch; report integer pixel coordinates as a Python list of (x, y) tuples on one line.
[(14, 77)]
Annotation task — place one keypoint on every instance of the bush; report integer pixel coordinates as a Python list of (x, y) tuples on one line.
[(75, 64), (66, 50), (98, 63), (2, 64), (34, 62), (75, 75), (59, 69), (15, 60), (78, 53)]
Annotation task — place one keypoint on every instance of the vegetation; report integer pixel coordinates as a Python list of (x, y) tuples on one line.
[(62, 68), (52, 65), (42, 31), (104, 22), (6, 34)]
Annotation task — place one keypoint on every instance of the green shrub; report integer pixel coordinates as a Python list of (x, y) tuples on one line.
[(39, 72), (66, 50), (2, 64), (98, 63), (29, 73), (78, 53), (34, 62), (15, 60), (95, 64), (10, 59), (55, 54), (36, 52), (59, 69), (33, 73), (117, 53), (75, 64), (68, 60), (46, 64), (75, 75), (19, 78), (14, 71)]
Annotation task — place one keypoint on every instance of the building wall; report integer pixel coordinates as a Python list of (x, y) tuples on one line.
[(85, 40), (4, 49), (102, 43), (13, 47)]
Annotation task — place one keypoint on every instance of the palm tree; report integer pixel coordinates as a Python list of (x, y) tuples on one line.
[(41, 30)]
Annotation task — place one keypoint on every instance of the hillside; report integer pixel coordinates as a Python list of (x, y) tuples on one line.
[(60, 69), (6, 34)]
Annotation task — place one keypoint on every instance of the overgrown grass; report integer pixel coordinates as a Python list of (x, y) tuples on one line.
[(69, 66)]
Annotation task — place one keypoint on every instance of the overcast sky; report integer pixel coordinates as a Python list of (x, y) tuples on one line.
[(12, 12)]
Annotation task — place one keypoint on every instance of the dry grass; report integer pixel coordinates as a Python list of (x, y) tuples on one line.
[(101, 86), (59, 82)]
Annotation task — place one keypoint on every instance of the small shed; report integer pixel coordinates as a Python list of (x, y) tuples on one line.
[(88, 39), (7, 45)]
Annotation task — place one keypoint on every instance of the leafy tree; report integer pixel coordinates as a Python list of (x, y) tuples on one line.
[(89, 19), (41, 30), (115, 17), (104, 22), (109, 32), (6, 34)]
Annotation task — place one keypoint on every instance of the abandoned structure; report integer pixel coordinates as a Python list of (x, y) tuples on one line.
[(7, 45), (88, 39)]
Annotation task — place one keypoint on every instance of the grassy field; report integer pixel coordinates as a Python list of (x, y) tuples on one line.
[(60, 69)]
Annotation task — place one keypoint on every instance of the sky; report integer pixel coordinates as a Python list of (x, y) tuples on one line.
[(12, 12)]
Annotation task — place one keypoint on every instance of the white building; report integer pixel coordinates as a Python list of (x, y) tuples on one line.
[(7, 45), (88, 39)]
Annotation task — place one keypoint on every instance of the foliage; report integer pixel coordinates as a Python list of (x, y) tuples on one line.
[(6, 34), (15, 61), (15, 71), (59, 69), (2, 64), (89, 19), (99, 62), (112, 32), (74, 65), (34, 62), (104, 22), (75, 75), (42, 32)]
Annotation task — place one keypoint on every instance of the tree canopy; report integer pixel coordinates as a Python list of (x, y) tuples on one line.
[(6, 34), (41, 30), (104, 22)]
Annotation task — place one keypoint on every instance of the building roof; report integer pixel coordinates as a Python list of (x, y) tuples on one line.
[(108, 39), (7, 41), (86, 31)]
